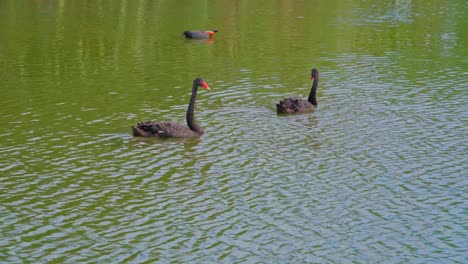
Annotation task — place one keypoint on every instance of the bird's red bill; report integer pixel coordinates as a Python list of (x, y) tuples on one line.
[(204, 85)]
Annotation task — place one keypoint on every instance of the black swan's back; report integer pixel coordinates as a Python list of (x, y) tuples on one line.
[(163, 130), (294, 105)]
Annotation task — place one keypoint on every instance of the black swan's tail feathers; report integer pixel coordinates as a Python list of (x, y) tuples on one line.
[(138, 132), (294, 105)]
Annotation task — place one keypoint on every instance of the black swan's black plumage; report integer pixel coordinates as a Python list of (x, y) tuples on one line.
[(298, 105), (200, 34), (173, 129)]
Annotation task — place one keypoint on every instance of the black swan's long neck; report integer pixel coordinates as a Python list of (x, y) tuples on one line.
[(312, 95), (190, 111)]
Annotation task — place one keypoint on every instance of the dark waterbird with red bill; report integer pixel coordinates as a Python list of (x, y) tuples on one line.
[(200, 34), (173, 129), (298, 105)]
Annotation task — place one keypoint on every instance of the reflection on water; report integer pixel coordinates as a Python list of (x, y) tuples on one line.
[(374, 175)]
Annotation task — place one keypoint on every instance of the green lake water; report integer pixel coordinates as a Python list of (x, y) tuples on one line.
[(376, 175)]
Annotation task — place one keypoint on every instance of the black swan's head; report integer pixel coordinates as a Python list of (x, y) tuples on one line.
[(314, 74), (202, 83)]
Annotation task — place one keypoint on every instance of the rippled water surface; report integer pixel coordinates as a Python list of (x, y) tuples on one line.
[(376, 175)]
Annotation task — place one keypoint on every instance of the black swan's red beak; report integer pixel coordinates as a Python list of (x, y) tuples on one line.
[(204, 85)]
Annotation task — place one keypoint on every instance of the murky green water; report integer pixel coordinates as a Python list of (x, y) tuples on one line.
[(376, 175)]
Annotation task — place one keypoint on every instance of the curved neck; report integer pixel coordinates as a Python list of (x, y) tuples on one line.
[(190, 111), (312, 95)]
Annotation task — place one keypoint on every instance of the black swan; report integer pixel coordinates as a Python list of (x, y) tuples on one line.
[(173, 129), (298, 105), (200, 34)]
